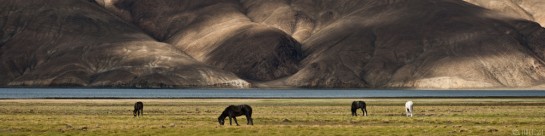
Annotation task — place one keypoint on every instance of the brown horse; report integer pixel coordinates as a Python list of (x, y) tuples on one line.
[(357, 105), (138, 109), (232, 111)]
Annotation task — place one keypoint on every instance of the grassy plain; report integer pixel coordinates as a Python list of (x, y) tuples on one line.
[(273, 117)]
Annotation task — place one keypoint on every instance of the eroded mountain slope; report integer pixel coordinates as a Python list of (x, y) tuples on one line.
[(77, 43), (277, 43), (413, 44), (217, 33)]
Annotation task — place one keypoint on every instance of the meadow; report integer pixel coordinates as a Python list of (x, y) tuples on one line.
[(486, 116)]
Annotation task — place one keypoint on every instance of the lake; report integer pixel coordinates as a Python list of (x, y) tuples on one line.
[(35, 93)]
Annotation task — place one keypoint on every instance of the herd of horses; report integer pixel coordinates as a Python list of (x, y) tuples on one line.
[(233, 111)]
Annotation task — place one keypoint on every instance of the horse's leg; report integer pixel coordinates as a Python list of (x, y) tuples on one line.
[(230, 122), (412, 110), (236, 122), (249, 120), (365, 111)]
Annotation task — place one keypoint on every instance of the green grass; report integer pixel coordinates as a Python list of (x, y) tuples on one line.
[(273, 117)]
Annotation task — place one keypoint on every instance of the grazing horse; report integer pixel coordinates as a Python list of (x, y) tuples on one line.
[(359, 104), (409, 108), (138, 109), (232, 111)]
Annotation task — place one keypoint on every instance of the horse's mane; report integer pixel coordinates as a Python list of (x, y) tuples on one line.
[(227, 109)]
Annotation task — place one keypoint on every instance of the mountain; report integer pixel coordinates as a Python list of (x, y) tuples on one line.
[(273, 43)]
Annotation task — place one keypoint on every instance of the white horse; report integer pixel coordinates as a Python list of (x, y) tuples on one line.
[(409, 108)]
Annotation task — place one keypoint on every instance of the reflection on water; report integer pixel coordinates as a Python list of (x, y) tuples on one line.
[(252, 93)]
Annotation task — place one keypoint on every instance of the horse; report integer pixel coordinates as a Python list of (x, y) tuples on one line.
[(232, 111), (409, 108), (138, 109), (359, 104)]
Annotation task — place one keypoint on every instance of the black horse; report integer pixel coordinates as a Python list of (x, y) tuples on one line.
[(138, 109), (232, 111), (359, 104)]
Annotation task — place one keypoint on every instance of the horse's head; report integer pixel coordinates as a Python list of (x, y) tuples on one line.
[(221, 120), (134, 113)]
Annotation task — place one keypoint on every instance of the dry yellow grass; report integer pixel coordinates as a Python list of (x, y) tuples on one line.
[(272, 117)]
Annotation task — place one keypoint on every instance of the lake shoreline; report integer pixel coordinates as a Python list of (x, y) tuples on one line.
[(70, 93), (271, 98)]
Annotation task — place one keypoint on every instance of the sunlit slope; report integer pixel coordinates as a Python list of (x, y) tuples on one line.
[(533, 10)]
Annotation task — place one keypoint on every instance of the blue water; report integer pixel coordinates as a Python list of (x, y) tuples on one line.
[(10, 93)]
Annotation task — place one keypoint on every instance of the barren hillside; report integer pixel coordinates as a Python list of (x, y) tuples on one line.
[(273, 43)]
